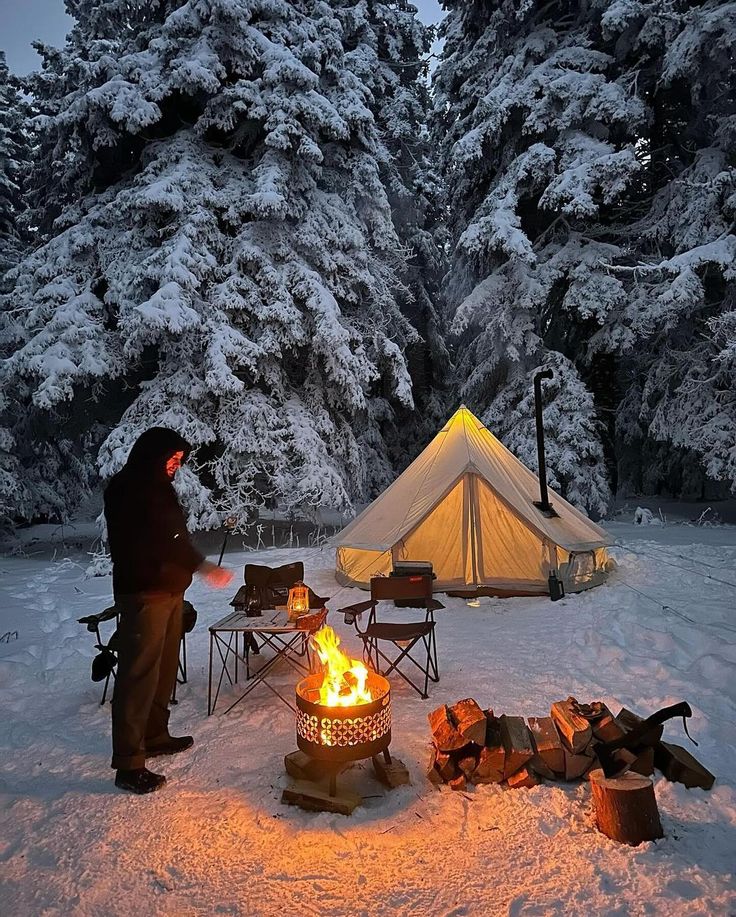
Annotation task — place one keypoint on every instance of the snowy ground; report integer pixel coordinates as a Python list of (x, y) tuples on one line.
[(217, 840)]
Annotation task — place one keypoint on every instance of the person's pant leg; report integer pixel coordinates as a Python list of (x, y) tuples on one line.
[(157, 726), (144, 621)]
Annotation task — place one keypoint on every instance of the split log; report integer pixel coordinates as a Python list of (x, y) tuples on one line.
[(606, 729), (302, 767), (541, 769), (627, 719), (621, 761), (490, 765), (626, 807), (459, 783), (467, 765), (446, 767), (391, 775), (679, 766), (676, 763), (523, 778), (446, 736), (575, 730), (470, 720), (492, 756), (493, 730), (548, 747), (644, 763), (640, 761), (517, 744), (577, 766)]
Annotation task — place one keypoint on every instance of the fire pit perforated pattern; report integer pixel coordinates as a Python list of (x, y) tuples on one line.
[(343, 733)]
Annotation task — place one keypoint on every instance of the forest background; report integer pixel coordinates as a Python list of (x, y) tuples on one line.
[(269, 225)]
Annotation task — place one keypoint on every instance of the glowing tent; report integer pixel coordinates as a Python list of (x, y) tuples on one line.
[(467, 504)]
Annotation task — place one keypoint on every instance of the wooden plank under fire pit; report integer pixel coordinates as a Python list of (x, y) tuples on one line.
[(315, 798)]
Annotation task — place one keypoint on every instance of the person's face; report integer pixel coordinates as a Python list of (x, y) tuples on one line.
[(174, 464)]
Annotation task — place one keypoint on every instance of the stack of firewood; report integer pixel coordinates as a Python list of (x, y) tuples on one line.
[(472, 745)]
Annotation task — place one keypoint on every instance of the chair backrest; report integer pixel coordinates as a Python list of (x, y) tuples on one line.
[(271, 584), (286, 575), (401, 587)]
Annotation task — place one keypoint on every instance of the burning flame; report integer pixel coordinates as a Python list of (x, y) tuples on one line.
[(344, 682)]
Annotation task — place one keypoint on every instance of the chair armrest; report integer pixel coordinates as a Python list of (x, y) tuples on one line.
[(434, 605), (93, 621), (351, 612)]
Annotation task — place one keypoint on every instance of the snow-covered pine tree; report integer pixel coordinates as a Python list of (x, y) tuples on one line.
[(13, 163), (580, 139), (676, 328), (537, 146), (388, 51), (14, 156), (223, 260)]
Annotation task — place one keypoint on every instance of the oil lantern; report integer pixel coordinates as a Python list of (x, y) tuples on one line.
[(298, 603)]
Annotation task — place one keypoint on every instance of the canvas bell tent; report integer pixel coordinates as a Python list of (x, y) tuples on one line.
[(467, 504)]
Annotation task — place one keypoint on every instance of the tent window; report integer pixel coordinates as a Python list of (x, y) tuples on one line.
[(581, 568)]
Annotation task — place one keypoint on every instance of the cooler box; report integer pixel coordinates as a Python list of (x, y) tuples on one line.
[(411, 568)]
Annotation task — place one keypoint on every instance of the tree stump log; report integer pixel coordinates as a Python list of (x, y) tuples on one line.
[(626, 807)]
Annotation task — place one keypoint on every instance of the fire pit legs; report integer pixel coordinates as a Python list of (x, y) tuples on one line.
[(315, 782)]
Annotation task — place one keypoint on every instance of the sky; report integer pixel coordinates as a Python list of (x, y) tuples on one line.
[(24, 21)]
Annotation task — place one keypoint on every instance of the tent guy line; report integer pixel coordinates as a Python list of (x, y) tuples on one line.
[(669, 563)]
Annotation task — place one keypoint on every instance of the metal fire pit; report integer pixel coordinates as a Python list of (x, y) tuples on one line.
[(337, 734)]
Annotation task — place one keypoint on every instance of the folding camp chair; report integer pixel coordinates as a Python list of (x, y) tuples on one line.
[(404, 637), (103, 665)]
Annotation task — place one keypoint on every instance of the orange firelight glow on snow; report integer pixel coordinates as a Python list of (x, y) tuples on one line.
[(344, 682)]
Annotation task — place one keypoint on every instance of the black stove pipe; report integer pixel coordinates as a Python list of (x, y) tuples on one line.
[(544, 496)]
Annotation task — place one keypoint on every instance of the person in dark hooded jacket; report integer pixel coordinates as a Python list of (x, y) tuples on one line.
[(153, 562)]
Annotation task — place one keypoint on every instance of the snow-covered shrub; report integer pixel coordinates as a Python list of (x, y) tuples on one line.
[(644, 516), (100, 564)]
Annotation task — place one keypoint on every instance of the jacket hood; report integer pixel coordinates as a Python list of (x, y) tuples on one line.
[(154, 448)]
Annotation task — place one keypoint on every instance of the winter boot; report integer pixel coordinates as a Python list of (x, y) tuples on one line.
[(170, 746), (140, 780)]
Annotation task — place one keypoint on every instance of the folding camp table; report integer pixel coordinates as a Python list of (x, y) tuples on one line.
[(274, 630)]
